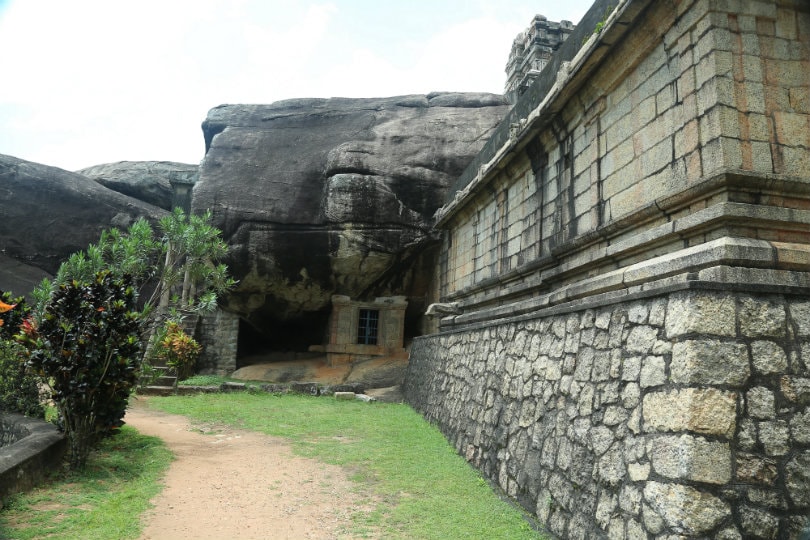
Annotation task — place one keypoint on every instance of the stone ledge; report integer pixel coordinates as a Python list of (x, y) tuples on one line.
[(575, 297), (634, 235), (24, 463)]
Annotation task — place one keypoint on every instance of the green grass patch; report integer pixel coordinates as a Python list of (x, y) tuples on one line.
[(103, 501), (214, 380), (203, 380), (422, 487)]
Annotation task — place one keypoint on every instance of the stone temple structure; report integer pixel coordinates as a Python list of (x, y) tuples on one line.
[(531, 51), (623, 339)]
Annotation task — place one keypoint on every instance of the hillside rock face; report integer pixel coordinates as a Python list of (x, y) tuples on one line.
[(48, 213), (333, 196), (147, 181)]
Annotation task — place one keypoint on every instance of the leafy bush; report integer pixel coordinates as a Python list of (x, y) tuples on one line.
[(19, 391), (87, 348), (177, 349), (177, 272)]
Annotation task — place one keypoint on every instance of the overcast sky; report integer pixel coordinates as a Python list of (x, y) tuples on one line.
[(95, 81)]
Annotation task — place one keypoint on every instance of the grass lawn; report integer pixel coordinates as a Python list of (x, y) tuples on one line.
[(103, 501), (422, 488), (426, 490)]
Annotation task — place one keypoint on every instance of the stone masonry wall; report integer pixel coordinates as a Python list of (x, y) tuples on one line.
[(693, 93), (681, 415), (218, 334)]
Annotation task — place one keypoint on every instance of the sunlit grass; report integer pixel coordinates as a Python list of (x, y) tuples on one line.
[(422, 488), (103, 501)]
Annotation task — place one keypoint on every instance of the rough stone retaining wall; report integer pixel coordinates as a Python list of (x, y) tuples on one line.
[(624, 291), (682, 414)]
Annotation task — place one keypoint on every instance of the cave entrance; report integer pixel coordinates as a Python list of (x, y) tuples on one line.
[(266, 340)]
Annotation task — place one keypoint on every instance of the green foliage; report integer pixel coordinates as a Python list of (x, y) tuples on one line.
[(19, 390), (205, 380), (419, 487), (189, 273), (104, 500), (134, 254), (87, 348), (177, 270), (601, 24), (177, 349), (86, 330), (12, 313)]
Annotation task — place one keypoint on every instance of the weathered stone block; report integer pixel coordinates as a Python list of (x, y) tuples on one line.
[(797, 478), (684, 509), (795, 389), (791, 128), (691, 458), (800, 427), (759, 403), (755, 469), (795, 161), (768, 357), (709, 362), (758, 524), (638, 471), (605, 509), (706, 313), (758, 129), (707, 411), (800, 313), (641, 339), (730, 533), (747, 437), (767, 497), (761, 318), (652, 521), (601, 438), (611, 468), (800, 99), (653, 371), (775, 437)]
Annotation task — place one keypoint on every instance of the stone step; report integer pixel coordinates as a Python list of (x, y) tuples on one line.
[(164, 380), (164, 376), (156, 391)]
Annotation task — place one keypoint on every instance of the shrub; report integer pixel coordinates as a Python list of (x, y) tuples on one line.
[(87, 347), (19, 391), (177, 349)]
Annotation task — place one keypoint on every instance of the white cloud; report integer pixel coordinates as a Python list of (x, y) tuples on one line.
[(90, 81)]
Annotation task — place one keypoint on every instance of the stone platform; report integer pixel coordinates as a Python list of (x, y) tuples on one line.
[(377, 373)]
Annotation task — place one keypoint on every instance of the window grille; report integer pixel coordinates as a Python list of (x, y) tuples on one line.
[(367, 325)]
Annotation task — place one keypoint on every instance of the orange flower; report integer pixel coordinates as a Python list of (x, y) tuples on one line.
[(6, 307)]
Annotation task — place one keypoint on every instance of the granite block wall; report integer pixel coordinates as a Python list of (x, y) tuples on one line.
[(680, 415)]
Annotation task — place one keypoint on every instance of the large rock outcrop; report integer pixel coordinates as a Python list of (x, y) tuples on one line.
[(148, 181), (333, 196), (48, 213)]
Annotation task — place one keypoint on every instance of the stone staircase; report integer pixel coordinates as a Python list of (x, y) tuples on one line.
[(163, 384)]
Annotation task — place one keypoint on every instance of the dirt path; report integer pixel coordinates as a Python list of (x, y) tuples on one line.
[(237, 484)]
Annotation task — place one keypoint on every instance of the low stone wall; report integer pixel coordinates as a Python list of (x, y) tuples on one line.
[(11, 432), (686, 413), (24, 463)]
